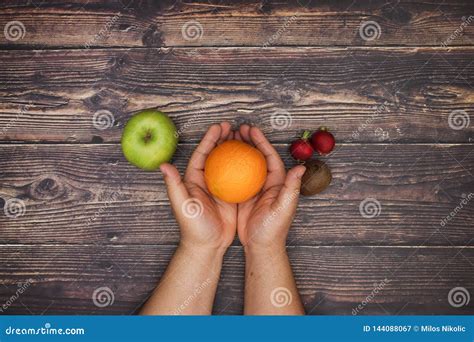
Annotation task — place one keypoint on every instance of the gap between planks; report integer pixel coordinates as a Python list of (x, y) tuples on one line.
[(15, 47), (232, 246), (192, 142)]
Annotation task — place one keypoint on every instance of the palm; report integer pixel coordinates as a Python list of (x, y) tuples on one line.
[(208, 221), (218, 220), (204, 220), (255, 215)]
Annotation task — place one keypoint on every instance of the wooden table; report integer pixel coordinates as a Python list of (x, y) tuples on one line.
[(394, 81)]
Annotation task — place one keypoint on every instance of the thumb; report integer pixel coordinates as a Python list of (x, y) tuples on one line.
[(289, 193), (177, 192)]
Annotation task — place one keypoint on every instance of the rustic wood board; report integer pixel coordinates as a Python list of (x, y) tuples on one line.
[(93, 220), (89, 193), (331, 280), (364, 95), (247, 23)]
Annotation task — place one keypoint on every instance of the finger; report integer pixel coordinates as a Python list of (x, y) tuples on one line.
[(237, 136), (177, 192), (289, 193), (225, 130), (274, 163), (199, 156), (245, 133), (231, 135)]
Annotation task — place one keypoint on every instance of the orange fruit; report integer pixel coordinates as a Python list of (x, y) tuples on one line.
[(235, 171)]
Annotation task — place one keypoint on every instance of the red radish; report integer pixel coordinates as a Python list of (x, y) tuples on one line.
[(301, 149), (322, 141)]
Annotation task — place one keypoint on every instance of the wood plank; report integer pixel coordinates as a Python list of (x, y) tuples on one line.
[(363, 95), (246, 23), (89, 193), (331, 280)]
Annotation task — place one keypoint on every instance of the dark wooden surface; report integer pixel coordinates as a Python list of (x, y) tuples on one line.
[(149, 23), (72, 182), (92, 220), (331, 279), (407, 92)]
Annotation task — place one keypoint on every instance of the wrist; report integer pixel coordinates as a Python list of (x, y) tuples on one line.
[(194, 250), (255, 250)]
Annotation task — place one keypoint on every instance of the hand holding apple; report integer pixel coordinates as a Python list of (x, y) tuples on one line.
[(149, 141), (205, 221), (208, 224)]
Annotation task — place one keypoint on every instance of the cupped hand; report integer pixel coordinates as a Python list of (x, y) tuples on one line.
[(264, 220), (205, 221)]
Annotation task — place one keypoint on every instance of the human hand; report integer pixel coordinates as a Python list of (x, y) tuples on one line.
[(205, 222), (264, 221)]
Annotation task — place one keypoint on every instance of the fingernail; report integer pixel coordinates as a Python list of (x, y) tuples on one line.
[(163, 171), (301, 172)]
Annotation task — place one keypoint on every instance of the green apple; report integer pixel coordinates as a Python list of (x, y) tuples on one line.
[(149, 139)]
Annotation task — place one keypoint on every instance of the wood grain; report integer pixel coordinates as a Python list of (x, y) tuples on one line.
[(89, 193), (93, 220), (363, 95), (84, 24), (331, 280)]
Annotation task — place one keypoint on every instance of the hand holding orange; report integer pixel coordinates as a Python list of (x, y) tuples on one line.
[(235, 171)]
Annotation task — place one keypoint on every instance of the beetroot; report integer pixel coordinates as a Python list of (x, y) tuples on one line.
[(323, 141), (301, 149)]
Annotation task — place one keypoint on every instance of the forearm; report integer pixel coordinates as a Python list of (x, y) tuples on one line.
[(189, 284), (270, 287)]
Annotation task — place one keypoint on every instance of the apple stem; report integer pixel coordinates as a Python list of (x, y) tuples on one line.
[(323, 128), (147, 136)]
